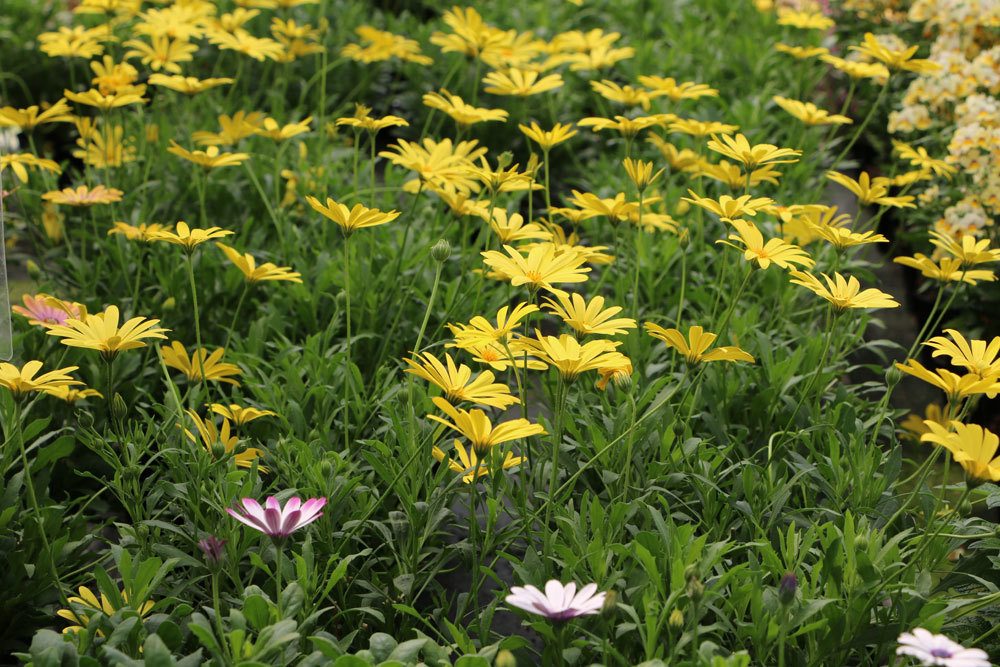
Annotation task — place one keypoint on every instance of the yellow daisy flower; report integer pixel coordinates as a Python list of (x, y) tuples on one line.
[(695, 347), (457, 383)]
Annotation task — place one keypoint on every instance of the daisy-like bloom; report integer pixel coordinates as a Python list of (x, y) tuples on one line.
[(25, 380), (87, 603), (734, 177), (496, 357), (161, 52), (801, 52), (559, 602), (201, 364), (75, 42), (972, 446), (511, 227), (541, 269), (380, 45), (240, 415), (28, 119), (84, 196), (919, 157), (589, 318), (914, 425), (460, 111), (144, 232), (439, 162), (627, 95), (19, 163), (45, 311), (700, 128), (457, 383), (870, 190), (477, 428), (931, 649), (469, 465), (804, 20), (187, 237), (695, 346), (241, 41), (108, 148), (809, 113), (520, 83), (239, 126), (977, 356), (616, 209), (353, 219), (844, 292), (223, 441), (842, 237), (72, 395), (627, 127), (502, 179), (957, 387), (948, 269), (246, 263), (94, 98), (895, 59), (275, 521), (751, 156), (546, 139), (101, 332), (680, 159), (364, 120), (777, 251), (480, 331), (272, 130), (570, 357), (188, 85), (640, 172), (970, 251), (668, 87), (729, 208), (210, 158), (858, 70)]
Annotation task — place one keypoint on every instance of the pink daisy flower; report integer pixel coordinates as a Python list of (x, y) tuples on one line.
[(559, 602), (275, 521), (931, 649)]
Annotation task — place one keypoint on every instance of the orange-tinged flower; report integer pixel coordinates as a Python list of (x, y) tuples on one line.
[(45, 311)]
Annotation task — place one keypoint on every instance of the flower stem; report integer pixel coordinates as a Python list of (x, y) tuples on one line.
[(236, 315), (278, 562), (430, 305), (554, 473), (349, 375), (199, 354)]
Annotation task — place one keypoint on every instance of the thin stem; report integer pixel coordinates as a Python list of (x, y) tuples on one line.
[(861, 128), (278, 562), (236, 315), (200, 353), (217, 609), (430, 305), (474, 539), (348, 376), (560, 407)]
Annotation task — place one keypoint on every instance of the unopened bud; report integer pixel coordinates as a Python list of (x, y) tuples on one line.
[(786, 588), (33, 269), (213, 549), (119, 410), (505, 159), (441, 251), (676, 619), (965, 509), (893, 375), (610, 600), (169, 304), (505, 659), (861, 542), (218, 450)]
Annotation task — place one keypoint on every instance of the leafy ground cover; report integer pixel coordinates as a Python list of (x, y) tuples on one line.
[(398, 333)]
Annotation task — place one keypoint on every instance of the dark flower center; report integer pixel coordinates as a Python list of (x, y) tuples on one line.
[(941, 653)]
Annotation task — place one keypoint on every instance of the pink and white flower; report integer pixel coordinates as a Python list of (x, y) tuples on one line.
[(559, 602), (277, 522), (931, 649)]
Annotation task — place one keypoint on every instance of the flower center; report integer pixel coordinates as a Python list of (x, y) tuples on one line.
[(941, 653), (533, 276)]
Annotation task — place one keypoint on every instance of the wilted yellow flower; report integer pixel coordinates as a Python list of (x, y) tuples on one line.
[(695, 347), (457, 383), (188, 237), (844, 292)]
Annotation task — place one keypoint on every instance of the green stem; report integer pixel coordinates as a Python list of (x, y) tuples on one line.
[(349, 375), (236, 315), (196, 358), (861, 128), (278, 562), (560, 407), (217, 609), (430, 305)]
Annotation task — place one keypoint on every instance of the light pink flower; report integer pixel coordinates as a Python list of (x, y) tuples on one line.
[(275, 521), (558, 602), (46, 311), (938, 650)]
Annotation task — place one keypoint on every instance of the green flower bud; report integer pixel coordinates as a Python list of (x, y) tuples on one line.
[(441, 251)]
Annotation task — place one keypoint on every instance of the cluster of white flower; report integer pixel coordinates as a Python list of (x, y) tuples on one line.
[(959, 101)]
